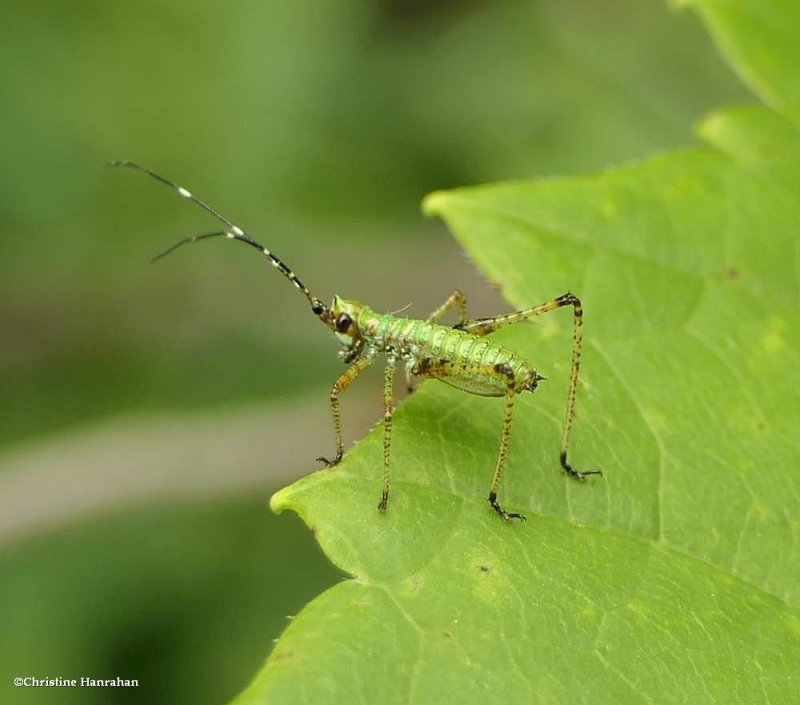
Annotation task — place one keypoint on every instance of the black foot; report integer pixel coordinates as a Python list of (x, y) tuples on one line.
[(330, 463), (574, 472), (384, 502), (507, 516)]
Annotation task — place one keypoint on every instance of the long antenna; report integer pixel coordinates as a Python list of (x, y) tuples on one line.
[(233, 232)]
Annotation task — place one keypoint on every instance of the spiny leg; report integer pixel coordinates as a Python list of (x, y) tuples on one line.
[(577, 345), (482, 326), (511, 392), (441, 369), (342, 383), (388, 410), (457, 298)]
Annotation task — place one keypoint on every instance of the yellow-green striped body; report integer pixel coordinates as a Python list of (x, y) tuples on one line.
[(461, 359)]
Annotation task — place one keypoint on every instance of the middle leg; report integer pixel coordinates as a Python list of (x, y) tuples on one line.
[(388, 411), (457, 298)]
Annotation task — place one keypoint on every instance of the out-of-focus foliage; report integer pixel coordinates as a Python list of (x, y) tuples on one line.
[(319, 126), (184, 599)]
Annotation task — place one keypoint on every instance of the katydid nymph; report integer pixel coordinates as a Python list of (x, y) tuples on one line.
[(460, 355)]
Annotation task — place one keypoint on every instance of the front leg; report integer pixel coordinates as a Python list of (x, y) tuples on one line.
[(342, 383)]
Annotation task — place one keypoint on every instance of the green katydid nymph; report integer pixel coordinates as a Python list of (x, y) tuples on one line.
[(461, 355)]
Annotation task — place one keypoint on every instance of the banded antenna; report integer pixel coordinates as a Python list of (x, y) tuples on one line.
[(232, 232)]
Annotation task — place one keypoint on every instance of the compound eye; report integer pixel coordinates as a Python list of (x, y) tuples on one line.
[(343, 322)]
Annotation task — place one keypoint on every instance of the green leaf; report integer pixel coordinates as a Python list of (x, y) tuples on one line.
[(759, 38), (676, 576)]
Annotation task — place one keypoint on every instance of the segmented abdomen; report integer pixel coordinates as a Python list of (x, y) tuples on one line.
[(472, 359)]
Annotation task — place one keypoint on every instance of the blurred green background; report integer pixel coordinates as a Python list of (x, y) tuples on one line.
[(148, 412)]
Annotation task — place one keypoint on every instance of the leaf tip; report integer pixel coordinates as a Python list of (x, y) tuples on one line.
[(431, 204), (281, 500)]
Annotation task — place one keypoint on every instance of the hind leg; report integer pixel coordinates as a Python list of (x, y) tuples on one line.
[(483, 326)]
